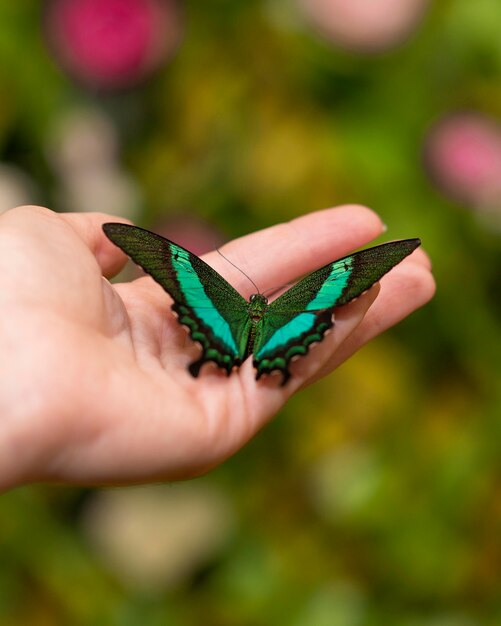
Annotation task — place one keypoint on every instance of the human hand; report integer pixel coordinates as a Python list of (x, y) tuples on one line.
[(94, 386)]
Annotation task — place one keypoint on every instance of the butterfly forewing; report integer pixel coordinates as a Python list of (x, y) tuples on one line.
[(303, 314), (214, 312)]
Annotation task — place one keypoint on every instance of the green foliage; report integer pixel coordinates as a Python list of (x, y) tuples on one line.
[(374, 498)]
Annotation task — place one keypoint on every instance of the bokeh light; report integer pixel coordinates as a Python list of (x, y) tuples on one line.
[(16, 187), (463, 154), (83, 151), (142, 534), (364, 26)]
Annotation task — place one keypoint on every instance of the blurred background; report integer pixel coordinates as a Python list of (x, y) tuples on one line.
[(375, 497)]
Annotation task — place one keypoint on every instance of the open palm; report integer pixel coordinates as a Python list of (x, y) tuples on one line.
[(94, 386)]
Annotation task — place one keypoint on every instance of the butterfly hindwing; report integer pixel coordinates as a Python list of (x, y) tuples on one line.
[(213, 311), (303, 314)]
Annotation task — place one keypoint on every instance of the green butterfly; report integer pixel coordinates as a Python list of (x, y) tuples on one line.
[(229, 328)]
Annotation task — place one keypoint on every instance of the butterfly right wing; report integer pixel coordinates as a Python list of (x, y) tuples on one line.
[(213, 311), (302, 315)]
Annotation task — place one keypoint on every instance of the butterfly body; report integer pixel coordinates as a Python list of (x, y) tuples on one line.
[(230, 328)]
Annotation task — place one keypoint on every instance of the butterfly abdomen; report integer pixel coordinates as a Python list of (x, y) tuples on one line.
[(258, 306)]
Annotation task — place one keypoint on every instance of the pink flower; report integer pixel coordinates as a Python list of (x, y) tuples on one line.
[(463, 154), (112, 43)]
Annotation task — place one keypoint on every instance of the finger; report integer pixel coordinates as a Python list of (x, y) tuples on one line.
[(419, 256), (88, 227), (281, 253), (407, 287), (52, 260)]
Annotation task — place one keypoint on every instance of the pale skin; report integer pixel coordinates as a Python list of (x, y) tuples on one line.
[(94, 387)]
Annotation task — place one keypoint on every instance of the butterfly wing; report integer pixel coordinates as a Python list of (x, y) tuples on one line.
[(214, 313), (303, 314)]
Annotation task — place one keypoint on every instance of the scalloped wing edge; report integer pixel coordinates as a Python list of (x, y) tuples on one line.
[(300, 347), (201, 334)]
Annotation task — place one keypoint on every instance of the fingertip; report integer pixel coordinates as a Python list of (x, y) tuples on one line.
[(89, 227), (360, 223), (424, 284), (363, 216), (415, 278), (421, 257)]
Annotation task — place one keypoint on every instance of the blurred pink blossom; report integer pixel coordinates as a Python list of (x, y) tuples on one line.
[(364, 25), (191, 232), (112, 43), (463, 155)]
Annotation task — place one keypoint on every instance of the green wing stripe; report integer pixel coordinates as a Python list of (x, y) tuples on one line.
[(369, 266), (318, 292), (299, 325), (197, 298), (312, 329), (212, 310), (334, 285)]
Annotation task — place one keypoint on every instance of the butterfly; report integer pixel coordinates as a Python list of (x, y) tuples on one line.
[(227, 326)]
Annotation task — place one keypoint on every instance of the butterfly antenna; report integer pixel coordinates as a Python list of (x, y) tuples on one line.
[(272, 289), (239, 269)]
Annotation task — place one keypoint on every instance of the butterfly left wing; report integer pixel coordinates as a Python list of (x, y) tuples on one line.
[(213, 311), (303, 314)]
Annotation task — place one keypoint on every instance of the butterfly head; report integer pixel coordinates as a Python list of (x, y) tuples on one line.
[(258, 304)]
